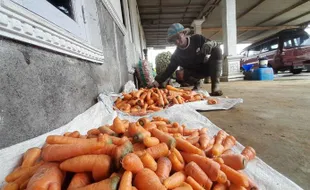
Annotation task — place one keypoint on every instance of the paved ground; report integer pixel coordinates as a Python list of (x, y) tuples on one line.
[(274, 119)]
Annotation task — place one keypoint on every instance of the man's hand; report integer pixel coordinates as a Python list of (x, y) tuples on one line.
[(207, 47), (155, 84)]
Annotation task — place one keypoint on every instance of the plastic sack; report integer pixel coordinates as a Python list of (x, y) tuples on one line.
[(145, 73)]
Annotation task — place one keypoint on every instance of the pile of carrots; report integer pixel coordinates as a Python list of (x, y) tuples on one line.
[(149, 154), (144, 101)]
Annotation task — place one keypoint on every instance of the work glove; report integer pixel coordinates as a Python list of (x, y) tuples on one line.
[(207, 47), (154, 84)]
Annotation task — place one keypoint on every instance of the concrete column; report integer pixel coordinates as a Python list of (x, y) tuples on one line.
[(197, 25), (231, 62)]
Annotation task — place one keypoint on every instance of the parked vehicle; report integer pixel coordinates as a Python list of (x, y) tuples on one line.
[(287, 50)]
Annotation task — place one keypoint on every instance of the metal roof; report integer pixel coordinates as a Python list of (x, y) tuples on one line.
[(255, 18)]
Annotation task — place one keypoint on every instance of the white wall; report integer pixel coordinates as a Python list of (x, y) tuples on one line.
[(117, 7)]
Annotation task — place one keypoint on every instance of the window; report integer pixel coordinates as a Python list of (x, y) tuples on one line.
[(64, 6), (265, 47), (254, 51), (288, 43), (301, 40), (274, 44)]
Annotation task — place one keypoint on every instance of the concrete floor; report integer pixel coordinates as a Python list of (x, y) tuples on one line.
[(274, 119)]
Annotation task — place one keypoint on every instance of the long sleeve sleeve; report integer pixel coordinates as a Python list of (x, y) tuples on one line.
[(168, 72)]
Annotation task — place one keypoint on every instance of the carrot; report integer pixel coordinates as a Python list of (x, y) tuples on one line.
[(154, 108), (127, 96), (204, 140), (150, 141), (175, 180), (119, 141), (143, 121), (121, 152), (11, 186), (249, 153), (21, 172), (163, 128), (30, 157), (109, 149), (74, 134), (169, 87), (133, 188), (131, 162), (118, 126), (193, 170), (59, 152), (193, 140), (80, 180), (148, 95), (210, 167), (106, 130), (99, 165), (149, 126), (218, 160), (176, 159), (217, 149), (137, 132), (222, 178), (125, 108), (163, 137), (107, 184), (184, 186), (220, 186), (148, 180), (235, 161), (219, 138), (175, 101), (252, 184), (229, 151), (187, 132), (47, 176), (235, 177), (58, 139), (186, 146), (158, 151), (150, 102), (236, 187), (164, 167), (138, 147), (93, 132), (21, 182), (195, 185), (138, 93), (229, 142), (126, 181), (148, 161)]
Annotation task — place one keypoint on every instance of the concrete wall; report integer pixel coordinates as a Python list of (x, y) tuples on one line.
[(42, 90)]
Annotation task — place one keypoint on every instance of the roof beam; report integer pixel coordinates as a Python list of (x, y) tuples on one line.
[(208, 8), (171, 6), (168, 13), (251, 28), (250, 9)]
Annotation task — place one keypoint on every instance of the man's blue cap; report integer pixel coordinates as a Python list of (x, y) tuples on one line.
[(176, 28)]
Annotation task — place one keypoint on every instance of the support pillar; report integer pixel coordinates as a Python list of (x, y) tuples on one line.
[(197, 25), (231, 62)]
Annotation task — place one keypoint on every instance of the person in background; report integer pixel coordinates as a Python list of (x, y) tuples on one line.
[(197, 56)]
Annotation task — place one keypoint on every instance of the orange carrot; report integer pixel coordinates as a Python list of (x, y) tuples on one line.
[(175, 180), (163, 137), (121, 152), (147, 179), (80, 180), (30, 157), (99, 165), (74, 134), (159, 122), (163, 168), (183, 186), (127, 96), (176, 160), (219, 138), (21, 172), (148, 161), (154, 108), (58, 139), (186, 146), (169, 87), (149, 126), (235, 161), (220, 186), (150, 141), (158, 151), (210, 167), (193, 170), (118, 126), (108, 149), (11, 186), (138, 93), (133, 188), (249, 153), (218, 160), (131, 162), (195, 185), (193, 140), (236, 187), (187, 132), (119, 141), (229, 142), (125, 108), (47, 176), (126, 181), (252, 184), (222, 178), (175, 101), (59, 152), (137, 132), (229, 151), (138, 147), (217, 149), (107, 184), (204, 141), (93, 132), (106, 130), (143, 121), (235, 177)]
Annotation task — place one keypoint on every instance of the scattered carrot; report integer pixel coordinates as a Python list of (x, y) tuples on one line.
[(176, 160), (204, 141), (74, 134), (249, 153), (236, 187), (222, 178), (148, 180), (30, 157), (58, 139), (235, 161), (47, 176), (107, 184), (193, 170), (220, 186), (143, 121), (22, 171), (235, 177), (163, 168), (132, 162), (229, 151), (148, 161), (99, 165), (118, 126), (186, 146), (217, 149), (195, 185), (80, 180), (163, 137), (229, 142), (158, 151), (175, 180), (184, 186), (126, 181), (93, 132), (150, 141)]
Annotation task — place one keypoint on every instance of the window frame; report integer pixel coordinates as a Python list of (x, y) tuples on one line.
[(18, 23)]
